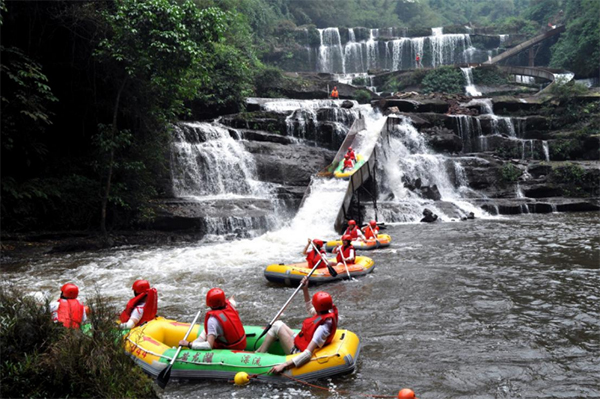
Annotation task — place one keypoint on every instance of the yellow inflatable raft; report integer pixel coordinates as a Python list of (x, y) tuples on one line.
[(154, 344), (292, 274), (339, 171), (382, 241)]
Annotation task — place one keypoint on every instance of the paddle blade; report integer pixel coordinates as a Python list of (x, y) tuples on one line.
[(163, 377), (332, 270), (266, 330)]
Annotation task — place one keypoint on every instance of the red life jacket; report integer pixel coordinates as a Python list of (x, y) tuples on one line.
[(229, 319), (70, 312), (353, 232), (150, 307), (313, 257), (368, 231), (310, 325), (351, 155), (346, 252), (348, 164)]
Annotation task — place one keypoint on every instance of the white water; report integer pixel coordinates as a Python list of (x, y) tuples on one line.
[(546, 151), (470, 88)]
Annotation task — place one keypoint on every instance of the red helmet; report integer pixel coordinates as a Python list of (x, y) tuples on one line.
[(215, 298), (69, 291), (349, 148), (322, 301), (346, 237), (317, 242), (352, 223), (140, 286), (373, 223)]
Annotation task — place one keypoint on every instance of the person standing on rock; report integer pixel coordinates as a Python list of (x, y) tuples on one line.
[(141, 308), (334, 93)]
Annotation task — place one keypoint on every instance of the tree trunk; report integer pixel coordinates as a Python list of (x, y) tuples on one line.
[(113, 132)]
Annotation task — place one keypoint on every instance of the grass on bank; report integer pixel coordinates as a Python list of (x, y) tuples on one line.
[(43, 359)]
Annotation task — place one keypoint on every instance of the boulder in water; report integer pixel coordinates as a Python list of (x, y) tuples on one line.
[(428, 216)]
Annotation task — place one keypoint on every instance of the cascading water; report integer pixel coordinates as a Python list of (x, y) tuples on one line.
[(546, 151), (331, 53), (470, 88), (406, 159)]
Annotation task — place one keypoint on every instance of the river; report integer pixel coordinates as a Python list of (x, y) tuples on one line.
[(487, 308)]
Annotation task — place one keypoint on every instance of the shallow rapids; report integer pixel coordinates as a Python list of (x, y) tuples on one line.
[(498, 308)]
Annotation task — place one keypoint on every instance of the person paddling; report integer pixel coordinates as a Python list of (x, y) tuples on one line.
[(312, 257), (348, 165), (371, 230), (223, 327), (68, 310), (317, 331), (350, 154), (345, 252), (354, 232), (141, 308)]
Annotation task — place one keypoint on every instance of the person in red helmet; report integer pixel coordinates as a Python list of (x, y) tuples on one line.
[(141, 308), (350, 154), (348, 165), (354, 232), (345, 252), (371, 230), (312, 256), (68, 310), (223, 327), (317, 330)]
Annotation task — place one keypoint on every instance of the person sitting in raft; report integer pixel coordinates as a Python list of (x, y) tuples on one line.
[(334, 93), (312, 257), (317, 330), (371, 230), (68, 310), (350, 154), (223, 328), (141, 308), (348, 165), (345, 252), (354, 232)]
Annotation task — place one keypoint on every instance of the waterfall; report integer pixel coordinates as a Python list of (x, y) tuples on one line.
[(207, 161), (331, 55), (470, 88), (546, 151), (407, 159), (385, 51)]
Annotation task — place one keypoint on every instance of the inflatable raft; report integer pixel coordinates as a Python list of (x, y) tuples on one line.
[(338, 172), (384, 241), (292, 274), (153, 345)]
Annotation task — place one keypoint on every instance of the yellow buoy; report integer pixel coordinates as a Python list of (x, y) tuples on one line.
[(241, 378)]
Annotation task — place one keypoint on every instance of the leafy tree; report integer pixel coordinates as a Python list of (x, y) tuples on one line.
[(162, 48), (578, 48)]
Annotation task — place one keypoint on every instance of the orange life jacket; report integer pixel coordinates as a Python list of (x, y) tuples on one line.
[(368, 231), (70, 312), (310, 325), (229, 319), (334, 94), (150, 307)]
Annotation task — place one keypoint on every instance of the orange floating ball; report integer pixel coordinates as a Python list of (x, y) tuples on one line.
[(406, 394)]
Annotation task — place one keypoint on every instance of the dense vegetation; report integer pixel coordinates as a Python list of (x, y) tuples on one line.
[(42, 359), (89, 89)]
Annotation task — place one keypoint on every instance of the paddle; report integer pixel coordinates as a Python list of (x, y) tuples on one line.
[(286, 304), (344, 260), (375, 236), (163, 378), (329, 267)]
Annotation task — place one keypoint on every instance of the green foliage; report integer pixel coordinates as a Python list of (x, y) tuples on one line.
[(572, 179), (266, 78), (578, 48), (362, 96), (489, 76), (566, 91), (43, 359), (360, 81), (510, 173), (445, 79)]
